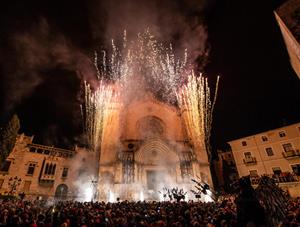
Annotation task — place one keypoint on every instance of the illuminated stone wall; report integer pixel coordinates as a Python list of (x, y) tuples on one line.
[(148, 137)]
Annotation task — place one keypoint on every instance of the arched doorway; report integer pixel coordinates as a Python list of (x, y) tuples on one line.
[(61, 192)]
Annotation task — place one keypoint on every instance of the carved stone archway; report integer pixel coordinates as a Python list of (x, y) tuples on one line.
[(156, 152)]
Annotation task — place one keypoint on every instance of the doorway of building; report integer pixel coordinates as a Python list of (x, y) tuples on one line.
[(156, 179), (61, 192)]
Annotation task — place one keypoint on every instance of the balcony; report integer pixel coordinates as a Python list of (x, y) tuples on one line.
[(291, 154), (47, 180), (250, 161), (284, 177)]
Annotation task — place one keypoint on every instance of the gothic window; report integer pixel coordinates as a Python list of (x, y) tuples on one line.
[(53, 169), (46, 168), (150, 126), (186, 165), (50, 169), (127, 167)]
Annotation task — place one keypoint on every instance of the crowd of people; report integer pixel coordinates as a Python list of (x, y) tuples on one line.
[(267, 205), (71, 213)]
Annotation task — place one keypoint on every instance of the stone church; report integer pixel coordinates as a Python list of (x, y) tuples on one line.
[(146, 149)]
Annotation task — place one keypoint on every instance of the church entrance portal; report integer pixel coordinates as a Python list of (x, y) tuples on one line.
[(156, 179)]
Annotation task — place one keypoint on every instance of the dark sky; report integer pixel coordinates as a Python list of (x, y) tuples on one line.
[(258, 89)]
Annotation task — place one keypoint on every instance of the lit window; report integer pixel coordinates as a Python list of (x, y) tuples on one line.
[(264, 138), (253, 173), (287, 147), (282, 134), (269, 151), (65, 172), (276, 170), (31, 168), (244, 143)]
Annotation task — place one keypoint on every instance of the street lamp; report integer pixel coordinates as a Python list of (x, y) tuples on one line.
[(13, 183)]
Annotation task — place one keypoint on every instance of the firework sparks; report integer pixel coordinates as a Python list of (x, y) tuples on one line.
[(163, 72), (147, 58), (195, 102), (96, 112)]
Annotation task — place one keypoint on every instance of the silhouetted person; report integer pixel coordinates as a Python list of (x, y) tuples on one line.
[(249, 210)]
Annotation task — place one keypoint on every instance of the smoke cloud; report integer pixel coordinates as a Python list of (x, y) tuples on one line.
[(36, 52), (179, 22)]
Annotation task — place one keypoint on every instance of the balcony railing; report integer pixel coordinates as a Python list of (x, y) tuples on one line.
[(284, 177), (250, 161), (291, 154)]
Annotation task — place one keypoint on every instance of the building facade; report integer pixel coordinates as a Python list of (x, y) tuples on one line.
[(42, 171), (275, 153), (145, 149), (225, 169)]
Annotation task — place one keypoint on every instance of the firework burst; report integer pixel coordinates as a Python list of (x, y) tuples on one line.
[(195, 102), (147, 59), (163, 72), (96, 112)]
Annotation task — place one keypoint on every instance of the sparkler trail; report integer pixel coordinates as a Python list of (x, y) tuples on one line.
[(194, 100), (96, 112)]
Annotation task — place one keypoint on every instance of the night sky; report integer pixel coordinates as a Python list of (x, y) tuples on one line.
[(39, 78)]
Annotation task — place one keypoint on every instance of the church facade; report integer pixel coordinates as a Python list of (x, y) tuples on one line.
[(146, 149)]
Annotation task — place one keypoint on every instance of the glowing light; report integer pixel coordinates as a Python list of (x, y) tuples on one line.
[(197, 108), (88, 194), (207, 198), (161, 197), (111, 197), (142, 198)]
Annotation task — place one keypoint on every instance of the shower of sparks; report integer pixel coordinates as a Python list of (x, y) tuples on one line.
[(147, 58), (162, 72), (195, 102), (96, 112)]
